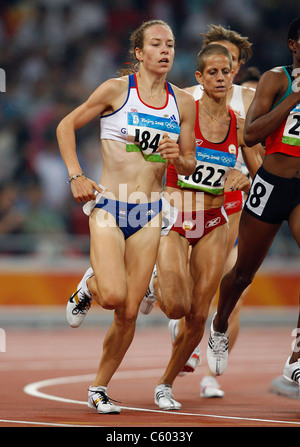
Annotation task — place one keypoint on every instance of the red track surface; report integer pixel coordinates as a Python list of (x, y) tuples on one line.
[(67, 360)]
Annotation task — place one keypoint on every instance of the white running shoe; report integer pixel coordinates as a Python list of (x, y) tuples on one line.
[(150, 298), (291, 371), (173, 327), (217, 351), (163, 397), (80, 302), (195, 358), (99, 400), (209, 387), (192, 363)]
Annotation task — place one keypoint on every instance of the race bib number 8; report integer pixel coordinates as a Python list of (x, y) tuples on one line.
[(291, 133), (259, 195), (144, 133)]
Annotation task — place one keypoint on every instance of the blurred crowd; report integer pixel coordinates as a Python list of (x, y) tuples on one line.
[(54, 53)]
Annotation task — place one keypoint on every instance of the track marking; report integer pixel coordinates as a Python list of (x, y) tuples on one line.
[(52, 424), (33, 390)]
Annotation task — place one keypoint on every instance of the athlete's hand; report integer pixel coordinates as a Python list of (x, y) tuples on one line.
[(168, 148), (239, 182), (83, 189)]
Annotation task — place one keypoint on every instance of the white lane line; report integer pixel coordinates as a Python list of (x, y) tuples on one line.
[(52, 424), (33, 390)]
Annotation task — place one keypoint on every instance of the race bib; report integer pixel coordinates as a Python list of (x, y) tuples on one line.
[(259, 195), (144, 133), (211, 171), (291, 132)]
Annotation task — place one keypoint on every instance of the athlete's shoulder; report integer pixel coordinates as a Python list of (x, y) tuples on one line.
[(273, 81), (190, 89), (275, 74), (183, 95), (114, 85), (118, 84), (110, 93), (276, 70), (248, 92), (186, 105)]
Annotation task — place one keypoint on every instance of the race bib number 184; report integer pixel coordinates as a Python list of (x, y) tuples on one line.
[(144, 133)]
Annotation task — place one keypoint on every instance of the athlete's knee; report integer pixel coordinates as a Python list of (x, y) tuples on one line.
[(242, 279), (125, 320), (176, 310), (198, 318), (195, 325), (128, 318), (113, 297), (175, 303)]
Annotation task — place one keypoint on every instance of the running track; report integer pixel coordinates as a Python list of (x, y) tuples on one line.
[(45, 375)]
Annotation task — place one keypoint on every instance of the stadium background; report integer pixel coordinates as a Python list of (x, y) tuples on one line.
[(54, 54)]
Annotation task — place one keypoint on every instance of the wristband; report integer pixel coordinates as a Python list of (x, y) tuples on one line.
[(75, 176)]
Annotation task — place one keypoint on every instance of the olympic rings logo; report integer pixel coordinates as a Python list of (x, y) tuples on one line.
[(226, 159), (170, 125)]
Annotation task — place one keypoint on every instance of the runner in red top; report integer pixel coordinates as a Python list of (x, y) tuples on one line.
[(201, 222), (239, 99)]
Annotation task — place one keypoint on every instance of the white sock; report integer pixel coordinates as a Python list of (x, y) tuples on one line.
[(98, 388)]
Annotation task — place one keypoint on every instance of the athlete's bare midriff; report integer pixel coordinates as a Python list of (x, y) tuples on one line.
[(127, 173), (188, 200), (282, 165)]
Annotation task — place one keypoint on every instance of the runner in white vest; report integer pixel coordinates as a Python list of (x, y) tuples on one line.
[(145, 124)]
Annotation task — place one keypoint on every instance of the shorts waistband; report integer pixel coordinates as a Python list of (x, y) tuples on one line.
[(273, 177)]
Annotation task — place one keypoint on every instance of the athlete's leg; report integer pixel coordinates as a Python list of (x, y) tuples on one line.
[(209, 386), (231, 256), (294, 224), (107, 248), (171, 283), (206, 265), (135, 272), (255, 239), (234, 320), (233, 222)]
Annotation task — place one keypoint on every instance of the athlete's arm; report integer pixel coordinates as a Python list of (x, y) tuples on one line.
[(182, 155), (252, 156), (261, 119), (100, 100)]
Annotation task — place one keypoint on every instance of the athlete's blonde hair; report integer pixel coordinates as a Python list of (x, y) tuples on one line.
[(218, 32)]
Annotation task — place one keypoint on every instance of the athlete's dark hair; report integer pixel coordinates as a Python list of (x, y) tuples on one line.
[(294, 30)]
